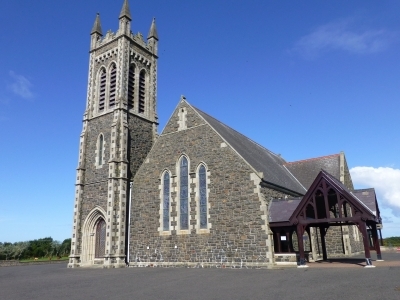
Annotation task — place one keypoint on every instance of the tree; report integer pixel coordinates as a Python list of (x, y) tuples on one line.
[(19, 248), (55, 248), (65, 247), (7, 249)]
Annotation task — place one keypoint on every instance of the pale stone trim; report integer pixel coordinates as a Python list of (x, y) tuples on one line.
[(175, 132), (89, 236), (255, 177), (182, 122), (97, 164)]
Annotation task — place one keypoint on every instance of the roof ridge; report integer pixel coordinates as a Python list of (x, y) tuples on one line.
[(312, 158), (366, 189), (249, 139)]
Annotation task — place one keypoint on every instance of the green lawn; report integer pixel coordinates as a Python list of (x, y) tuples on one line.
[(41, 259)]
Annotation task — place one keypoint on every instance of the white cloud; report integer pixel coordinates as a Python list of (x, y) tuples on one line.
[(340, 36), (386, 182), (21, 86)]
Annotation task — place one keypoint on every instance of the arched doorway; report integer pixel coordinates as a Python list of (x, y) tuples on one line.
[(94, 238)]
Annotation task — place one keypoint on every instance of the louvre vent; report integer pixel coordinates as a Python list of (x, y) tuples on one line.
[(102, 93), (131, 87), (113, 83), (142, 89)]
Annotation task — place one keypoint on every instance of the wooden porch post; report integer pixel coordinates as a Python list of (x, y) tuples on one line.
[(363, 228), (287, 240), (300, 231), (322, 233), (278, 237), (376, 242)]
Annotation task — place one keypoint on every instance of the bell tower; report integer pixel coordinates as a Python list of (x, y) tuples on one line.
[(119, 128)]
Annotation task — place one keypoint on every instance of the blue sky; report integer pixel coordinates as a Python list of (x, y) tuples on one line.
[(303, 78)]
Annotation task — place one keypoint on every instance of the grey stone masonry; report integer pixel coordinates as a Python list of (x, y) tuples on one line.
[(114, 142), (237, 225)]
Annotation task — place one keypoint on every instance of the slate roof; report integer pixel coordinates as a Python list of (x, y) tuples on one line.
[(307, 170), (368, 197), (260, 158), (280, 210)]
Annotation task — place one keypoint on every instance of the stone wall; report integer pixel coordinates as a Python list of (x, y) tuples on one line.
[(96, 178), (236, 228), (139, 143)]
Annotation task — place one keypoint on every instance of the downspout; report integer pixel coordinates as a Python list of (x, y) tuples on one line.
[(129, 224)]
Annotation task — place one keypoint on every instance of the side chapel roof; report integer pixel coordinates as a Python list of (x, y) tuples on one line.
[(280, 210), (260, 158), (306, 170), (368, 197)]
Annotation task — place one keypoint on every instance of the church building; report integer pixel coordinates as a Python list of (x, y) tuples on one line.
[(200, 194)]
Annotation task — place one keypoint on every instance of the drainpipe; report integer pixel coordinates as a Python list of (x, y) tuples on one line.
[(129, 223)]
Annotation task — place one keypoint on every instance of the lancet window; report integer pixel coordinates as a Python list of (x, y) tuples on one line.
[(184, 194), (100, 150), (203, 197), (166, 200)]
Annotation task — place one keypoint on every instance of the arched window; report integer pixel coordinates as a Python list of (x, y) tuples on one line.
[(100, 150), (113, 84), (184, 193), (142, 91), (131, 87), (102, 89), (100, 239), (166, 186), (203, 197)]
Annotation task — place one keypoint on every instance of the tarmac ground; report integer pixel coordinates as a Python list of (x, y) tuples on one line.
[(336, 279)]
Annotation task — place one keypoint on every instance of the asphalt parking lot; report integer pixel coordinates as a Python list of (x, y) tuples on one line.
[(55, 281)]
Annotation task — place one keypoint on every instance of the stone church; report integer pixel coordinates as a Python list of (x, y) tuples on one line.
[(200, 193)]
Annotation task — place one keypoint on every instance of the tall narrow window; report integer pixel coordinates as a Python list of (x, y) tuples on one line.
[(166, 202), (100, 149), (203, 197), (113, 84), (131, 87), (183, 197), (100, 239), (142, 91), (102, 89)]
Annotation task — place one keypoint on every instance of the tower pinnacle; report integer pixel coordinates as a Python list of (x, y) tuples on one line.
[(153, 30), (97, 26), (125, 12)]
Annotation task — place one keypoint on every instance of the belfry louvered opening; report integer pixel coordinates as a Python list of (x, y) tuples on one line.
[(142, 90), (102, 90), (131, 87), (113, 84)]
